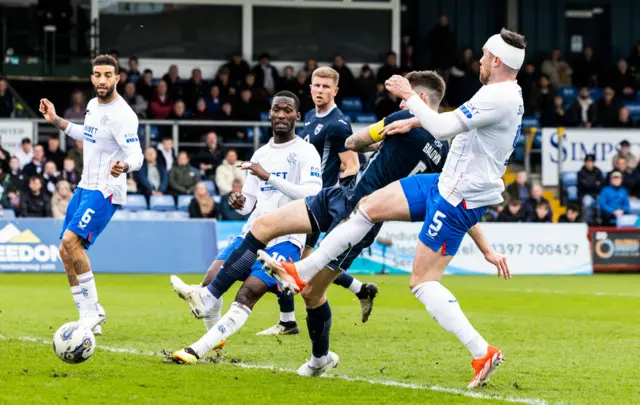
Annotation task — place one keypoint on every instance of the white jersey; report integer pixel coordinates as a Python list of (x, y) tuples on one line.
[(297, 162), (109, 134), (478, 158)]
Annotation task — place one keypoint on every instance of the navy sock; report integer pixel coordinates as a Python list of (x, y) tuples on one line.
[(237, 266), (319, 325), (286, 302), (343, 280)]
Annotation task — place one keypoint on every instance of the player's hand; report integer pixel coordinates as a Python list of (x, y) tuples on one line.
[(48, 110), (397, 127), (256, 170), (500, 262), (118, 168), (399, 87), (236, 201)]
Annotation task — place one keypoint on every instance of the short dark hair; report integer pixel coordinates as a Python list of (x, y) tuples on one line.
[(106, 60), (36, 177), (431, 81), (26, 140), (134, 58), (625, 143), (513, 38), (231, 150), (573, 207), (541, 204), (147, 71), (54, 136), (289, 94)]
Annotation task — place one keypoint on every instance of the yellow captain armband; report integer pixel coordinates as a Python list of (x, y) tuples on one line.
[(374, 131)]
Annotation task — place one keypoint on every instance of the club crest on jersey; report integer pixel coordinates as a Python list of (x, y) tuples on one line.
[(318, 129), (104, 120), (291, 159)]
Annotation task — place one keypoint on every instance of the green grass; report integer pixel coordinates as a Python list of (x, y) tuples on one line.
[(571, 340)]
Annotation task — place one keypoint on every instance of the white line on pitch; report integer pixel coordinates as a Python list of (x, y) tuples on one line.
[(561, 292), (389, 383)]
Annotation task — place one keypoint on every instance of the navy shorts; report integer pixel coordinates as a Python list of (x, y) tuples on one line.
[(88, 213), (444, 225), (330, 207)]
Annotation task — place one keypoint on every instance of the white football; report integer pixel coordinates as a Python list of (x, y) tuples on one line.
[(73, 343)]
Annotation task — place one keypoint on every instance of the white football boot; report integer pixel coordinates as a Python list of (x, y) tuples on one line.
[(195, 297), (308, 370), (97, 330)]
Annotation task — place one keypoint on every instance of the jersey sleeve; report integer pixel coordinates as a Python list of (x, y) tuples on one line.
[(126, 134), (340, 131), (482, 110), (310, 167)]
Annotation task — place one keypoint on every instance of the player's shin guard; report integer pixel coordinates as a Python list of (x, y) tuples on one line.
[(342, 238), (319, 325), (444, 308), (89, 292), (237, 266), (233, 320)]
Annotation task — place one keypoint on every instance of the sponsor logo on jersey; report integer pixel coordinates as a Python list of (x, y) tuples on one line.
[(318, 129), (89, 133), (469, 110), (131, 137), (315, 172)]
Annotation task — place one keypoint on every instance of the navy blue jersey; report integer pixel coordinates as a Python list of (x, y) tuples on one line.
[(400, 156), (327, 134)]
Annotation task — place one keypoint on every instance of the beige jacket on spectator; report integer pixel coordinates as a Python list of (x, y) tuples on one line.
[(59, 205), (559, 72), (226, 174), (632, 162)]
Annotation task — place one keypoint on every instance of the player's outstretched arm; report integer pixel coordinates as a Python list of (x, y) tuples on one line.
[(48, 111), (362, 140), (490, 255)]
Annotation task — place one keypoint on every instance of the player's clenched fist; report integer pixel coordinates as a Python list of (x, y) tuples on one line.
[(118, 168), (399, 87), (236, 201), (48, 110)]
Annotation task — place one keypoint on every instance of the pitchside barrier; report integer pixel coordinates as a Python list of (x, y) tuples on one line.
[(189, 246)]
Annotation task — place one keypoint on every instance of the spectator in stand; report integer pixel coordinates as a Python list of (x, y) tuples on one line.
[(34, 203), (582, 112), (512, 213), (309, 66), (179, 114), (407, 52), (266, 74), (384, 103), (614, 199), (519, 189), (227, 89), (5, 182), (541, 98), (134, 71), (528, 80), (124, 78), (346, 79), (469, 85), (210, 157), (132, 186), (623, 82), (174, 83), (238, 69), (11, 200), (587, 71), (228, 171), (77, 108), (202, 205), (258, 93), (572, 215), (53, 152), (77, 156), (229, 134), (303, 91), (25, 154), (194, 89), (624, 119), (625, 152), (137, 103), (50, 177), (226, 212), (634, 61), (161, 105), (607, 109), (152, 177), (166, 153), (441, 43), (389, 68), (36, 167), (557, 70), (556, 116), (366, 86), (182, 177), (7, 103), (457, 74), (145, 87), (5, 157), (542, 213), (60, 199), (214, 101), (288, 80), (531, 204), (590, 182), (247, 109), (16, 178), (200, 112), (628, 176), (69, 173)]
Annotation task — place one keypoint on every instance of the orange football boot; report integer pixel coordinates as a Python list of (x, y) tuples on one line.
[(284, 272), (485, 366)]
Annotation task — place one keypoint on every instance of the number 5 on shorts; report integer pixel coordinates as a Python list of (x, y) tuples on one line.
[(86, 218), (434, 228)]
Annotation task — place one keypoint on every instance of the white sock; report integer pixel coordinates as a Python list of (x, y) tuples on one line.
[(444, 308), (78, 298), (209, 300), (319, 361), (356, 286), (287, 316), (227, 326), (342, 238), (89, 291), (214, 316)]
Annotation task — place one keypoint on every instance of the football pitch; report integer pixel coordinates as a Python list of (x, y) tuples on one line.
[(569, 340)]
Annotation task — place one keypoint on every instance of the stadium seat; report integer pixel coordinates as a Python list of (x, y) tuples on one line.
[(530, 122), (569, 179), (162, 203), (351, 104), (572, 193), (596, 94), (627, 221), (7, 214), (264, 116), (634, 109), (176, 215), (569, 94), (184, 201), (121, 215), (634, 207), (211, 187), (149, 215), (217, 199), (366, 118), (135, 202)]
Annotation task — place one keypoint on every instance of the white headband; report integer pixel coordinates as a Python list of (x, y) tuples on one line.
[(509, 55)]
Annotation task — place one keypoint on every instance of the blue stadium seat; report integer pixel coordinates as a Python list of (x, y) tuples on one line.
[(572, 193), (135, 202), (627, 221), (148, 215), (569, 94), (211, 187), (184, 201), (569, 179), (596, 94), (121, 215), (162, 203), (634, 207), (351, 104), (366, 118), (176, 215), (7, 214), (264, 116), (634, 109), (530, 122)]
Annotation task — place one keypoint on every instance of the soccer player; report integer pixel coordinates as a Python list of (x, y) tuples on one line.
[(394, 159), (486, 129), (285, 169), (111, 149)]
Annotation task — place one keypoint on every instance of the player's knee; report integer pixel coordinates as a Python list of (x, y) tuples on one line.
[(70, 242), (367, 207), (64, 256), (261, 226), (248, 295)]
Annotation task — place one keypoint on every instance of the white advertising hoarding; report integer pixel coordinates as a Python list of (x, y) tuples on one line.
[(12, 131)]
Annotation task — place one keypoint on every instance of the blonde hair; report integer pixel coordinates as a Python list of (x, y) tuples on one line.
[(326, 72)]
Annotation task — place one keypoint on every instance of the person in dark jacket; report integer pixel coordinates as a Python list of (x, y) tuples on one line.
[(152, 176), (614, 199), (202, 205), (226, 212), (182, 177), (590, 182), (16, 179), (35, 202), (519, 189), (531, 205), (542, 213), (513, 212), (628, 176), (571, 216)]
